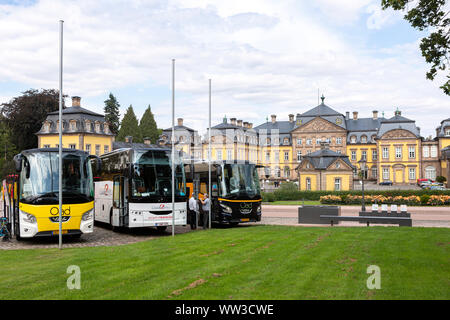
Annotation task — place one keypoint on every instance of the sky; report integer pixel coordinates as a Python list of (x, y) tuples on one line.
[(263, 57)]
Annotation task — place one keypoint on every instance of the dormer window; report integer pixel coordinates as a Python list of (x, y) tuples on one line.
[(286, 141), (353, 139), (88, 125), (106, 127), (447, 132), (72, 125), (267, 141), (46, 127), (363, 139), (97, 127)]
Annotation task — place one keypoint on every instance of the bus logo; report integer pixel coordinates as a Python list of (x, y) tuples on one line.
[(246, 207), (55, 211)]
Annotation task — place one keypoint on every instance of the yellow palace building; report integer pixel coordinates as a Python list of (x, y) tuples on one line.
[(82, 130)]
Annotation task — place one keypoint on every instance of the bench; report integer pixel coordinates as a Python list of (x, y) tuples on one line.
[(401, 221)]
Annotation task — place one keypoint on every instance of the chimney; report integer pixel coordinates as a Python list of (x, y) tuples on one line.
[(355, 115), (245, 124), (180, 121), (274, 118), (129, 139), (239, 123), (76, 101), (347, 115), (375, 114), (291, 118), (398, 112), (233, 121), (147, 141)]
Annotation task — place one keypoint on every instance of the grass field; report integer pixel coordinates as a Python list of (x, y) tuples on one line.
[(251, 262), (294, 203)]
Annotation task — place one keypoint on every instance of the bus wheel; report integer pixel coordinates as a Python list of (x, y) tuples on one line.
[(161, 228)]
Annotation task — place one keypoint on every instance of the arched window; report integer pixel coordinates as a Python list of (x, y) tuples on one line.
[(286, 141), (363, 139), (353, 139), (430, 173)]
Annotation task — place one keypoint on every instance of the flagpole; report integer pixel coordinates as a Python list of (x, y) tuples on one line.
[(209, 158), (60, 128), (173, 147)]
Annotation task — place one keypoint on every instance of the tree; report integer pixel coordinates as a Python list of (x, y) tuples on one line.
[(436, 47), (129, 126), (148, 126), (25, 114), (7, 149), (112, 114)]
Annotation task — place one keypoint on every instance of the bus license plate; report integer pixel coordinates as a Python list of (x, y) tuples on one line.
[(57, 232), (245, 220), (161, 224)]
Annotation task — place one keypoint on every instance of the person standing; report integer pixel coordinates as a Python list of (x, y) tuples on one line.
[(193, 210), (205, 209)]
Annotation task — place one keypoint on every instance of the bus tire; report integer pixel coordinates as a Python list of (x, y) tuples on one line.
[(161, 228)]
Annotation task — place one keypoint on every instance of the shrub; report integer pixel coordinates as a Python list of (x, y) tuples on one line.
[(441, 179)]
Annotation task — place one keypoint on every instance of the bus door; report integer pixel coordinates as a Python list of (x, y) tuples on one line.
[(119, 207)]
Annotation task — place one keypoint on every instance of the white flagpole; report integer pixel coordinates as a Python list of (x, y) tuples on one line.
[(60, 128), (209, 157), (173, 147)]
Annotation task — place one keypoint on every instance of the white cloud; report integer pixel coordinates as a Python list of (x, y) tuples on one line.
[(264, 57)]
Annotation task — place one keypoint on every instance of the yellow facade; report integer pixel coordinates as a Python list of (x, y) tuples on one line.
[(102, 142), (344, 181), (304, 185)]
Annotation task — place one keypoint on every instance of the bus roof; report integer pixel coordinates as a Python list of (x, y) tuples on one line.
[(65, 150), (150, 148)]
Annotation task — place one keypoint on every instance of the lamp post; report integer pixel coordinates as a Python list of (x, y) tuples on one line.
[(362, 166)]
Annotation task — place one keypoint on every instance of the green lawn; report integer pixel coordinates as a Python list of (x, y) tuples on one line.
[(251, 262), (294, 203)]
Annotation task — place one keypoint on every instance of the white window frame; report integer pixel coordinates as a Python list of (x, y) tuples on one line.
[(353, 155), (385, 152), (412, 152), (434, 151), (386, 174), (426, 151), (412, 173), (337, 184), (308, 184), (364, 155), (398, 152), (299, 155), (286, 156), (339, 140)]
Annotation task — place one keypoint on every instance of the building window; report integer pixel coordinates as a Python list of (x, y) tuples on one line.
[(88, 148), (299, 141), (286, 141), (353, 155), (426, 151), (97, 127), (97, 150), (219, 154), (299, 156), (412, 152), (353, 139), (267, 156), (277, 156), (338, 165), (434, 151), (337, 184), (374, 172), (277, 172), (229, 155), (308, 184), (286, 156), (308, 141), (72, 146), (308, 151), (447, 132), (363, 139), (398, 152), (385, 153), (338, 140), (385, 173), (318, 141), (73, 125), (364, 155), (430, 173), (374, 154), (106, 149), (412, 173), (287, 172)]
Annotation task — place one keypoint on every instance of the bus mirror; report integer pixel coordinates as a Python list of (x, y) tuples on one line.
[(18, 162)]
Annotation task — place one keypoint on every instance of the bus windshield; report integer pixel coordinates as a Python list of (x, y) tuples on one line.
[(239, 179), (153, 174), (39, 178)]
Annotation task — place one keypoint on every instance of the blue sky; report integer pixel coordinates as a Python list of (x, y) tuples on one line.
[(264, 57)]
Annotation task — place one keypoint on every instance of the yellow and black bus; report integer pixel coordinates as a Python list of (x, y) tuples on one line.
[(36, 202), (235, 189)]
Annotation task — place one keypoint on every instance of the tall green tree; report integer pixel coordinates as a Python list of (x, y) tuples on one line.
[(148, 126), (7, 149), (129, 126), (112, 113), (430, 15), (25, 114)]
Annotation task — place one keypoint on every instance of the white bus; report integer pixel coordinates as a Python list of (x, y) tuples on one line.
[(135, 189)]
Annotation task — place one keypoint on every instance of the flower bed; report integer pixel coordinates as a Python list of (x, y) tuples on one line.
[(432, 200)]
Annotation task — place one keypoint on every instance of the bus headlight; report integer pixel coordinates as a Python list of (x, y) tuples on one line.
[(88, 215), (28, 217), (226, 208), (258, 210)]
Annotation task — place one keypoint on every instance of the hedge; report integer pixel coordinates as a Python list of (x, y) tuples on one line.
[(295, 195)]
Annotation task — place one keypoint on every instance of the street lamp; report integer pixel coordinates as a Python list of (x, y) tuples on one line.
[(362, 166)]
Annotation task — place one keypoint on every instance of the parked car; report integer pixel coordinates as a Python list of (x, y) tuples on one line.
[(422, 181), (437, 188), (386, 183)]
